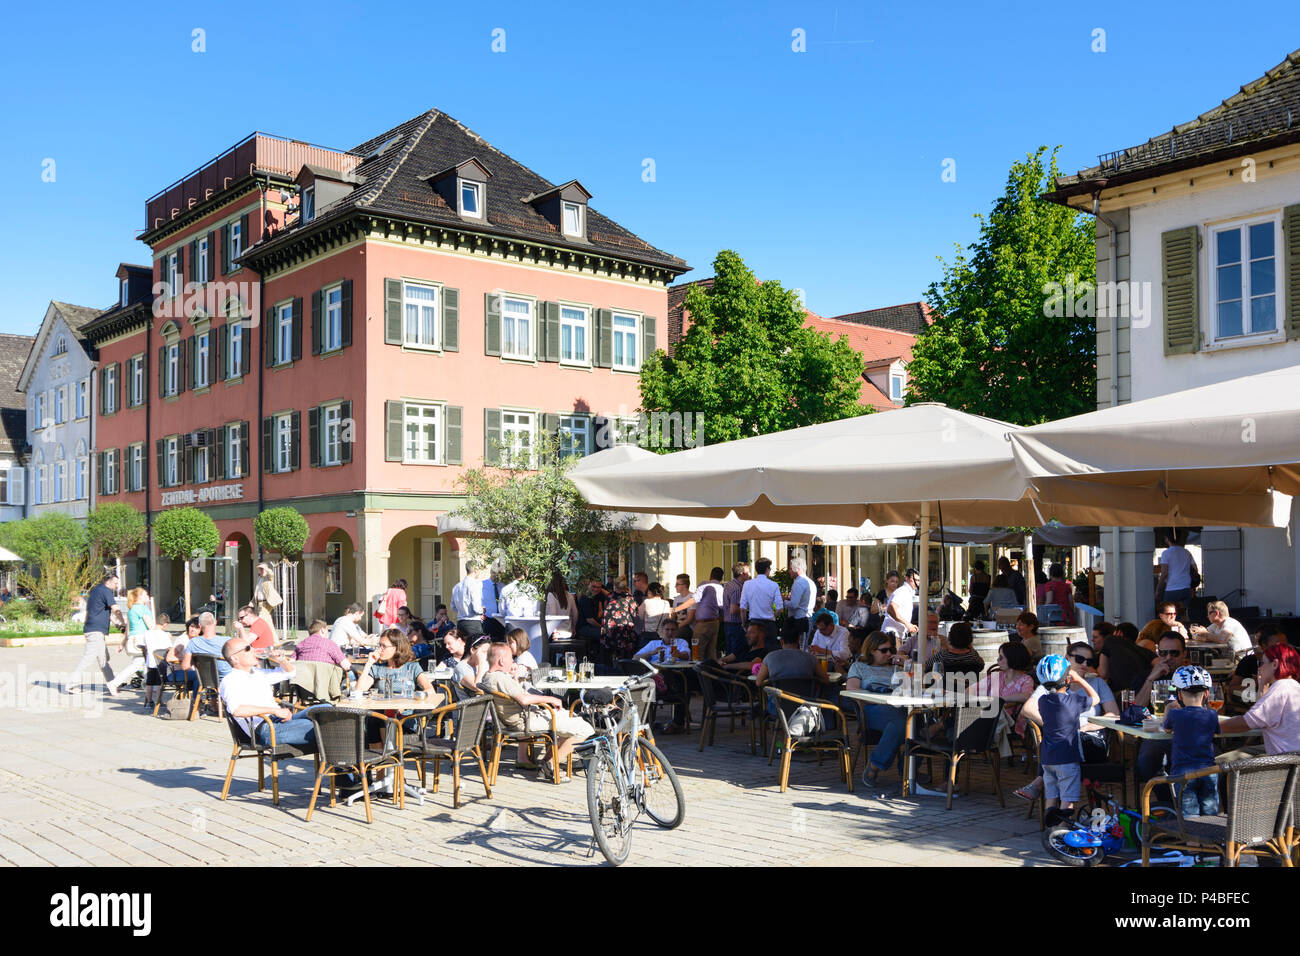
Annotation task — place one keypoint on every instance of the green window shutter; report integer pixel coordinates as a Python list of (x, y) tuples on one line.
[(184, 348), (491, 436), (246, 345), (213, 337), (492, 324), (313, 437), (455, 415), (346, 308), (349, 433), (225, 249), (268, 338), (550, 332), (648, 338), (245, 467), (295, 440), (451, 320), (297, 329), (1291, 270), (245, 238), (117, 385), (194, 260), (315, 323), (604, 345), (392, 311), (99, 473), (103, 396), (268, 449), (393, 412), (218, 352), (550, 424), (1179, 249), (160, 466), (218, 470), (162, 371)]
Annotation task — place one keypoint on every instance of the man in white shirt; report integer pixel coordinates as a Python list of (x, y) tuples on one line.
[(519, 598), (247, 696), (760, 599), (467, 602), (347, 629), (802, 598), (1223, 629), (831, 640), (902, 603), (1176, 569)]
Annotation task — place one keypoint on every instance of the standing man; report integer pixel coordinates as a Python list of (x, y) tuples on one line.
[(705, 613), (1177, 566), (640, 586), (491, 596), (802, 597), (520, 599), (467, 602), (101, 613), (902, 605), (732, 627), (760, 599)]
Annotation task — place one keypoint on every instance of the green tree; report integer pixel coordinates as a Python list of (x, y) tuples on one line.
[(186, 533), (115, 529), (748, 364), (1003, 342), (37, 539), (535, 523), (281, 529)]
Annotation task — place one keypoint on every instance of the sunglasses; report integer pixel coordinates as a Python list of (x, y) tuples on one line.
[(1171, 652), (246, 647), (1081, 659)]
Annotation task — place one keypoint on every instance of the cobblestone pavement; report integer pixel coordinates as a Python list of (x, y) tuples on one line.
[(94, 781)]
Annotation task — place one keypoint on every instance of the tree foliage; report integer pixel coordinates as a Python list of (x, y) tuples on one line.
[(64, 576), (535, 523), (997, 346), (115, 529), (184, 533), (283, 530), (53, 534), (748, 364)]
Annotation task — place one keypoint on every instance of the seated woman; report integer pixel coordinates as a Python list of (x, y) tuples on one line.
[(1277, 711), (1027, 629), (955, 655), (392, 658), (1012, 682), (1000, 595), (874, 671), (525, 662)]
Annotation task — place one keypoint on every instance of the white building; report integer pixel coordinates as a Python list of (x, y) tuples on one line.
[(58, 380), (1199, 231)]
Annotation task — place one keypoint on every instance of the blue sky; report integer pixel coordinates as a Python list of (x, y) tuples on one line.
[(821, 168)]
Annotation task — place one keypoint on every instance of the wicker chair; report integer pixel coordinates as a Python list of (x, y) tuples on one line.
[(178, 681), (341, 742), (822, 741), (209, 683), (1260, 802), (726, 697), (247, 746), (974, 731), (503, 734), (466, 740)]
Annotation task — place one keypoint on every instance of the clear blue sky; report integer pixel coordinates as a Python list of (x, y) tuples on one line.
[(822, 169)]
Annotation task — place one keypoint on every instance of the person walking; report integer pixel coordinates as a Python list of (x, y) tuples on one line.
[(101, 610), (139, 621)]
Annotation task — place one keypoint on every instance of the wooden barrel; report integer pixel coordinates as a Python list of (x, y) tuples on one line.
[(986, 645), (1054, 640)]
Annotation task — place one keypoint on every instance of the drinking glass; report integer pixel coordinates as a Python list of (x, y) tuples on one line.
[(1214, 698)]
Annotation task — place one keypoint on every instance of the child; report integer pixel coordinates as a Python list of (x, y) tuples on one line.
[(1193, 726), (1062, 752)]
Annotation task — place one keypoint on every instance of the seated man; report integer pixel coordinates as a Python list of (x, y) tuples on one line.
[(247, 694), (347, 628), (667, 646), (1223, 629), (756, 650), (516, 716), (830, 641), (790, 663), (317, 646), (254, 628), (206, 643)]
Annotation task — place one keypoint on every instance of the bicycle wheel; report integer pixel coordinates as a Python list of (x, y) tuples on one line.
[(1072, 846), (662, 797), (611, 822)]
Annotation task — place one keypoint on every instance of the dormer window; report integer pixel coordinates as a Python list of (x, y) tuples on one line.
[(471, 199), (309, 204), (897, 382), (125, 295), (572, 219)]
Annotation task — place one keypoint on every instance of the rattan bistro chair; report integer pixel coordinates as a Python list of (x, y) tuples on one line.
[(177, 681), (503, 734), (726, 697), (822, 741), (1260, 801), (466, 741), (247, 746), (205, 665), (341, 741), (974, 731)]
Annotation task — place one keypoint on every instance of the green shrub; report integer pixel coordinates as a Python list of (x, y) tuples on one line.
[(62, 580)]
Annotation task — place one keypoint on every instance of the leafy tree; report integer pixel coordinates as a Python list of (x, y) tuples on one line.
[(1004, 342), (64, 575), (52, 534), (281, 529), (115, 529), (186, 533), (535, 523), (748, 364)]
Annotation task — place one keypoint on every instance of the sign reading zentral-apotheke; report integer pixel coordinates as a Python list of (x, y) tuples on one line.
[(190, 496)]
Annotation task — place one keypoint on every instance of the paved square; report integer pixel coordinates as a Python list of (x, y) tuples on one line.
[(94, 781)]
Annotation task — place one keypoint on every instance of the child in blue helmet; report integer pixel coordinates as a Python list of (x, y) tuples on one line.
[(1061, 714), (1193, 726)]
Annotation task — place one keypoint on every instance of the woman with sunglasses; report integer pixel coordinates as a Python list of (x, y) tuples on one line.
[(874, 670)]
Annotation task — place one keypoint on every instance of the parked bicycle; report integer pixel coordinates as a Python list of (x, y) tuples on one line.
[(626, 774)]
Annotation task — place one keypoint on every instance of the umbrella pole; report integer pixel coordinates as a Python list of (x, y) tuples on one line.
[(1031, 585), (923, 566)]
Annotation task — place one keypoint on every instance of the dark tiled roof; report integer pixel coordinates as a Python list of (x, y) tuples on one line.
[(1263, 114), (911, 317), (432, 142), (13, 404), (77, 316)]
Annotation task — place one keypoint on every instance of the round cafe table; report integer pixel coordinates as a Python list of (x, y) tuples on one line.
[(369, 705)]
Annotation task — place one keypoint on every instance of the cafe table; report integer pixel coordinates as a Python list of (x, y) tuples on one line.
[(1152, 730), (400, 704), (915, 702), (562, 686)]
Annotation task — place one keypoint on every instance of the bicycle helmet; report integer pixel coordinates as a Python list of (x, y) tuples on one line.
[(1191, 677), (1052, 670)]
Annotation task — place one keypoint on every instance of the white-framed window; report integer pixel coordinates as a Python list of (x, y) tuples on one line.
[(83, 398), (897, 382), (13, 485), (126, 284), (201, 272), (422, 434), (83, 477), (60, 479), (202, 346), (198, 465), (233, 451), (172, 460), (173, 368), (136, 464), (60, 405), (284, 334), (110, 471), (516, 328), (331, 435), (283, 436), (236, 240), (38, 410), (571, 218), (137, 380), (235, 351), (517, 436), (110, 388), (309, 204), (575, 435), (420, 314), (331, 320), (627, 431), (627, 330), (1243, 281), (471, 198), (41, 477), (174, 273), (574, 323)]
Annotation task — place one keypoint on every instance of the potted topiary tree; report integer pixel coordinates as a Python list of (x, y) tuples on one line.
[(188, 534)]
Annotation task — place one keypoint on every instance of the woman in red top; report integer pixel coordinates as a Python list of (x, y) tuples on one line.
[(394, 600), (1058, 591)]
